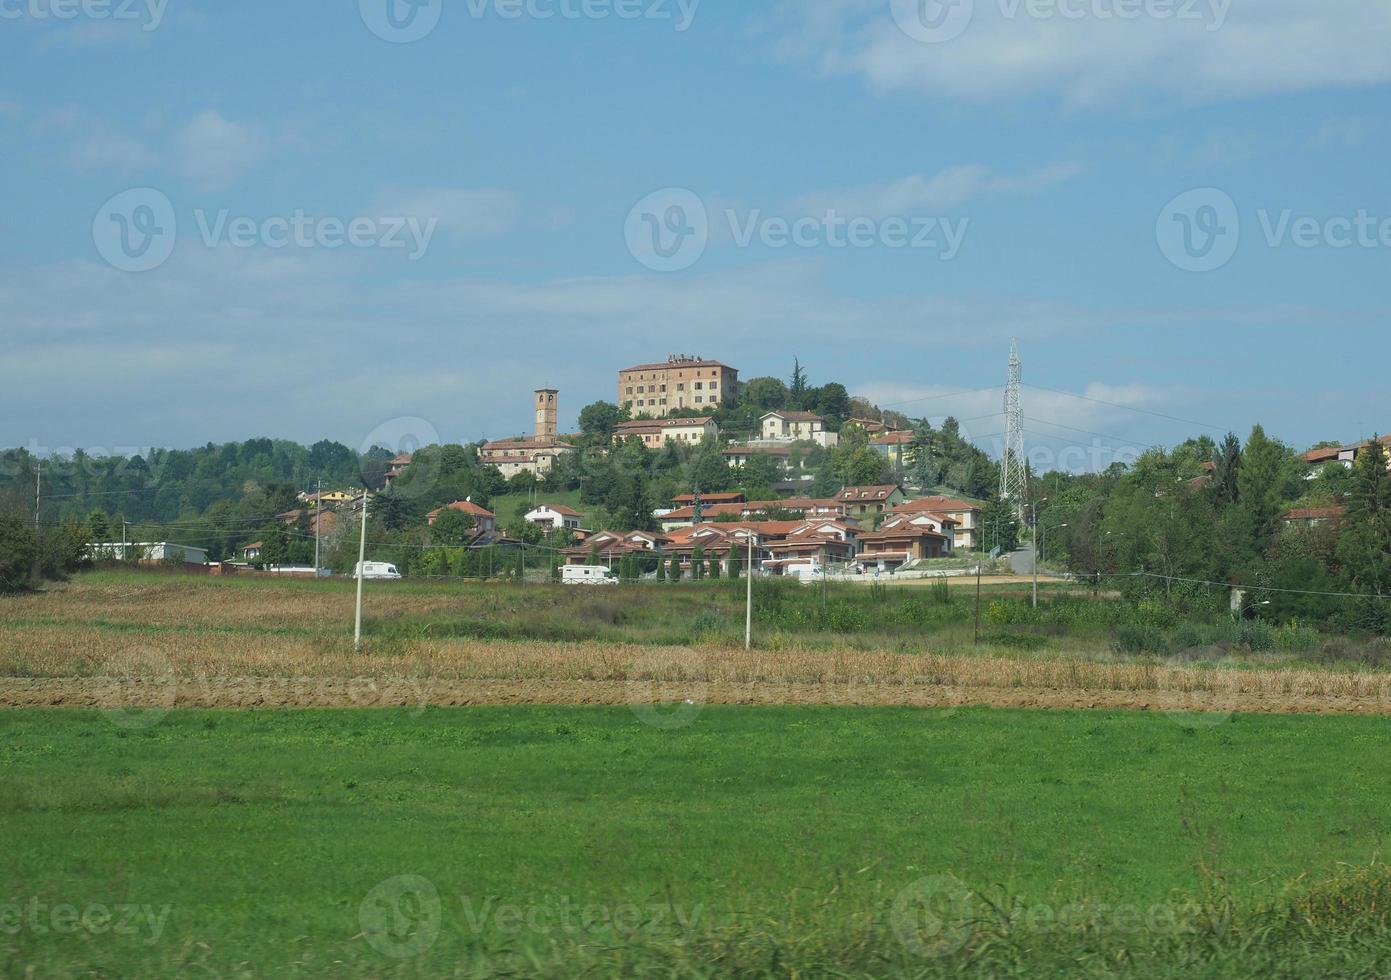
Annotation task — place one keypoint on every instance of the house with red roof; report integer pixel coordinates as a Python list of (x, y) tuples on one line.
[(484, 519)]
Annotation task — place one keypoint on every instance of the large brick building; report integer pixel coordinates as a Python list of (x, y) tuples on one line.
[(683, 381)]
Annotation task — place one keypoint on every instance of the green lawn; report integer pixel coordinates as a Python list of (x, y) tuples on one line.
[(768, 842), (507, 507)]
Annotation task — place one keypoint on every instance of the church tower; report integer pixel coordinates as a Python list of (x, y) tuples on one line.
[(547, 410)]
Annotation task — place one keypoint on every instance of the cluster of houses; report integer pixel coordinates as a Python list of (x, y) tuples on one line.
[(786, 533)]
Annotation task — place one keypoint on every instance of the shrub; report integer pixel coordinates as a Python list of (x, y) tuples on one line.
[(1254, 634), (1136, 638)]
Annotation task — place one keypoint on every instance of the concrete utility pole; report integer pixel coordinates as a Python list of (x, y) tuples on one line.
[(1033, 548), (748, 604), (361, 561), (38, 492), (318, 519)]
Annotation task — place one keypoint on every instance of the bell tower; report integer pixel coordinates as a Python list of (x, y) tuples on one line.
[(547, 410)]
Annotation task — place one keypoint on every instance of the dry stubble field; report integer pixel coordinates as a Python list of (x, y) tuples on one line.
[(115, 640)]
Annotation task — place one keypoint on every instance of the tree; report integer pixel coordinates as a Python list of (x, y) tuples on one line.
[(275, 546), (999, 525), (698, 563), (1365, 544), (1259, 482), (756, 477), (797, 390), (714, 567), (1225, 476), (598, 420), (661, 569), (863, 467), (675, 574), (833, 402), (18, 551), (98, 527), (767, 394), (453, 528)]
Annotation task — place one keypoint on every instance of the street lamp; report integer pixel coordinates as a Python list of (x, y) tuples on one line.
[(1038, 547), (1033, 544)]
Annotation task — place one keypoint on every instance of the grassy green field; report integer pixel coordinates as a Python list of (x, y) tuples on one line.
[(755, 842)]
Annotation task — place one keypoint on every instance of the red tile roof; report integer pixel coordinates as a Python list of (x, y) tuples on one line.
[(936, 504), (854, 494), (463, 506)]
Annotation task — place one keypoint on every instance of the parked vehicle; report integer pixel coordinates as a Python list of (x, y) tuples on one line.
[(587, 575), (806, 573), (379, 570)]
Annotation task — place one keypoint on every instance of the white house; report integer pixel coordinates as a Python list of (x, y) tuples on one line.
[(796, 427), (149, 551), (557, 517), (657, 432)]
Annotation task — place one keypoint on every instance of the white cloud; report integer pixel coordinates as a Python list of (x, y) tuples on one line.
[(1217, 50), (214, 152), (1343, 132), (334, 353), (103, 150), (945, 190), (463, 212)]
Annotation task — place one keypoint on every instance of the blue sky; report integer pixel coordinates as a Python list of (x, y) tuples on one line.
[(1050, 136)]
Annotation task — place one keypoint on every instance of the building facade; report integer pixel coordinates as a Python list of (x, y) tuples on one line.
[(683, 381), (536, 455), (966, 533), (656, 432)]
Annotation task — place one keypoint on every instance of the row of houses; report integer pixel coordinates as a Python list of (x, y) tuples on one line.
[(804, 530)]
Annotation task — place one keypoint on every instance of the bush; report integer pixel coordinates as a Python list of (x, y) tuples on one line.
[(18, 550), (1293, 638), (1136, 638), (1254, 634)]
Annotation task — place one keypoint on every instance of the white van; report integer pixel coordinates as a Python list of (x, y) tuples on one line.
[(806, 572), (377, 570), (587, 575)]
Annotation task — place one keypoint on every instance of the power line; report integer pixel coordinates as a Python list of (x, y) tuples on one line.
[(1130, 408)]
